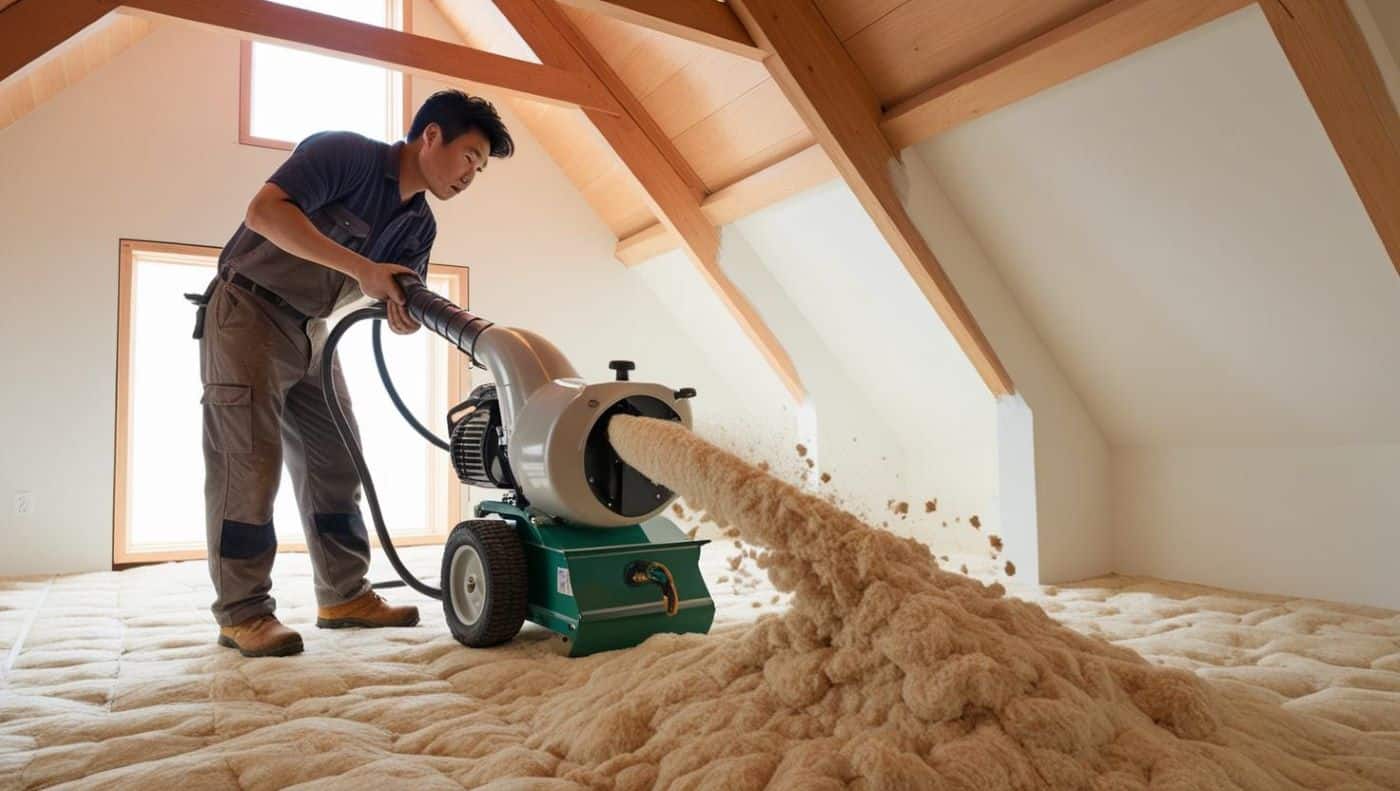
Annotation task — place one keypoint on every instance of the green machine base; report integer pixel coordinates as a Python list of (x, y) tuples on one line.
[(607, 588)]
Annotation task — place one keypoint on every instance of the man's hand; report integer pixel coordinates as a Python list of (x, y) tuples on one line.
[(399, 320), (377, 281)]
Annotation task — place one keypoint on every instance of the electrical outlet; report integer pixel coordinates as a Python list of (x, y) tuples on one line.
[(24, 503)]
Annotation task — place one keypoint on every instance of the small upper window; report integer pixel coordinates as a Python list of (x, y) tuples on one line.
[(288, 94)]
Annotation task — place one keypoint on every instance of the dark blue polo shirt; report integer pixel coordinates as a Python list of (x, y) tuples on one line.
[(363, 176)]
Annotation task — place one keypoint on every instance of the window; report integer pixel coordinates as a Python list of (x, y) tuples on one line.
[(158, 503), (287, 94)]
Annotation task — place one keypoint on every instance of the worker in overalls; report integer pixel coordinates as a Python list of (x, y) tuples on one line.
[(335, 223)]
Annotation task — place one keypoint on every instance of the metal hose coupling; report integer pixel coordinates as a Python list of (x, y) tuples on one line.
[(649, 572)]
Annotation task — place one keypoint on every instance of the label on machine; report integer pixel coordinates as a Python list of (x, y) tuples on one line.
[(562, 582)]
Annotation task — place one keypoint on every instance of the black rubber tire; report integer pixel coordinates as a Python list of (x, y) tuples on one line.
[(503, 561)]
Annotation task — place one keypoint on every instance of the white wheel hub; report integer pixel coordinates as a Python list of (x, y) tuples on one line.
[(468, 583)]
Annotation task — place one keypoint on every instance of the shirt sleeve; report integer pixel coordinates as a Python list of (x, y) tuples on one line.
[(326, 167), (417, 260)]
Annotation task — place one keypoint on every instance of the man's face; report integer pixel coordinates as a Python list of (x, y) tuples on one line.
[(449, 168)]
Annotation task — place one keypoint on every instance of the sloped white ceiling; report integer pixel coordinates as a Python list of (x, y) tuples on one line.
[(1182, 234)]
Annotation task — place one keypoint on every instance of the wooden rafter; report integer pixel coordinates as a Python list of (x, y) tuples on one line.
[(1334, 64), (703, 21), (672, 189), (441, 60), (1098, 37), (63, 66), (818, 76), (30, 28), (430, 57)]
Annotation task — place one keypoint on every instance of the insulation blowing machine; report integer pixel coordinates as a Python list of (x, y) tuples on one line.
[(576, 542)]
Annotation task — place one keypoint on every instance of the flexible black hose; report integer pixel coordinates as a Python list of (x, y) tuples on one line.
[(438, 314), (422, 430), (357, 457)]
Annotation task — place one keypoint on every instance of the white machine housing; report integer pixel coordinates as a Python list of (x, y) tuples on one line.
[(549, 415)]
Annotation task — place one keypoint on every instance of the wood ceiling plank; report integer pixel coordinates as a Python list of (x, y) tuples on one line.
[(924, 43), (699, 90), (619, 200), (641, 58), (755, 121), (849, 17), (704, 22)]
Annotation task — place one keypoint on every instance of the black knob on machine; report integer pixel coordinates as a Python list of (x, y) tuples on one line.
[(622, 367)]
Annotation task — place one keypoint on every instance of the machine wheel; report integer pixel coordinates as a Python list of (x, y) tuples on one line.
[(484, 582)]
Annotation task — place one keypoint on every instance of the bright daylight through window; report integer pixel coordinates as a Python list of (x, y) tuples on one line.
[(160, 469), (290, 93)]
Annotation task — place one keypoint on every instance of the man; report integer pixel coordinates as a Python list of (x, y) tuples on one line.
[(336, 222)]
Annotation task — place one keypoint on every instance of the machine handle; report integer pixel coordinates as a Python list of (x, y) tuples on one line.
[(649, 572)]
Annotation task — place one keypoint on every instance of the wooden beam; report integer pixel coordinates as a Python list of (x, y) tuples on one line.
[(663, 173), (801, 171), (672, 189), (439, 60), (588, 60), (1334, 63), (818, 76), (31, 28), (703, 21), (1098, 37), (91, 49)]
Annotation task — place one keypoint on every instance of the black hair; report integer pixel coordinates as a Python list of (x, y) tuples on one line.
[(457, 113)]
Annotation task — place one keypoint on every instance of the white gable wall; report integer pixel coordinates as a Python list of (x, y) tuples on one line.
[(1182, 235)]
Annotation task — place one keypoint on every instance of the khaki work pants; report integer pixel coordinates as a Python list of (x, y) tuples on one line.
[(263, 405)]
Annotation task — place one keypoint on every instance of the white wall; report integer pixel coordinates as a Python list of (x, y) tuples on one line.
[(1045, 435), (147, 148), (1182, 236), (1318, 521), (762, 423)]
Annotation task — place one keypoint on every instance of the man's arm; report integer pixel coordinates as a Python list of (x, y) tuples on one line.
[(275, 216)]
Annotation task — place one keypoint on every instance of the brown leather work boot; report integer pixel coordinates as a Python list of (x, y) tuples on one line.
[(367, 610), (261, 635)]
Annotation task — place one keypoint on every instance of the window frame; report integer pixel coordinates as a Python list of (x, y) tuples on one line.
[(400, 15), (458, 385)]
